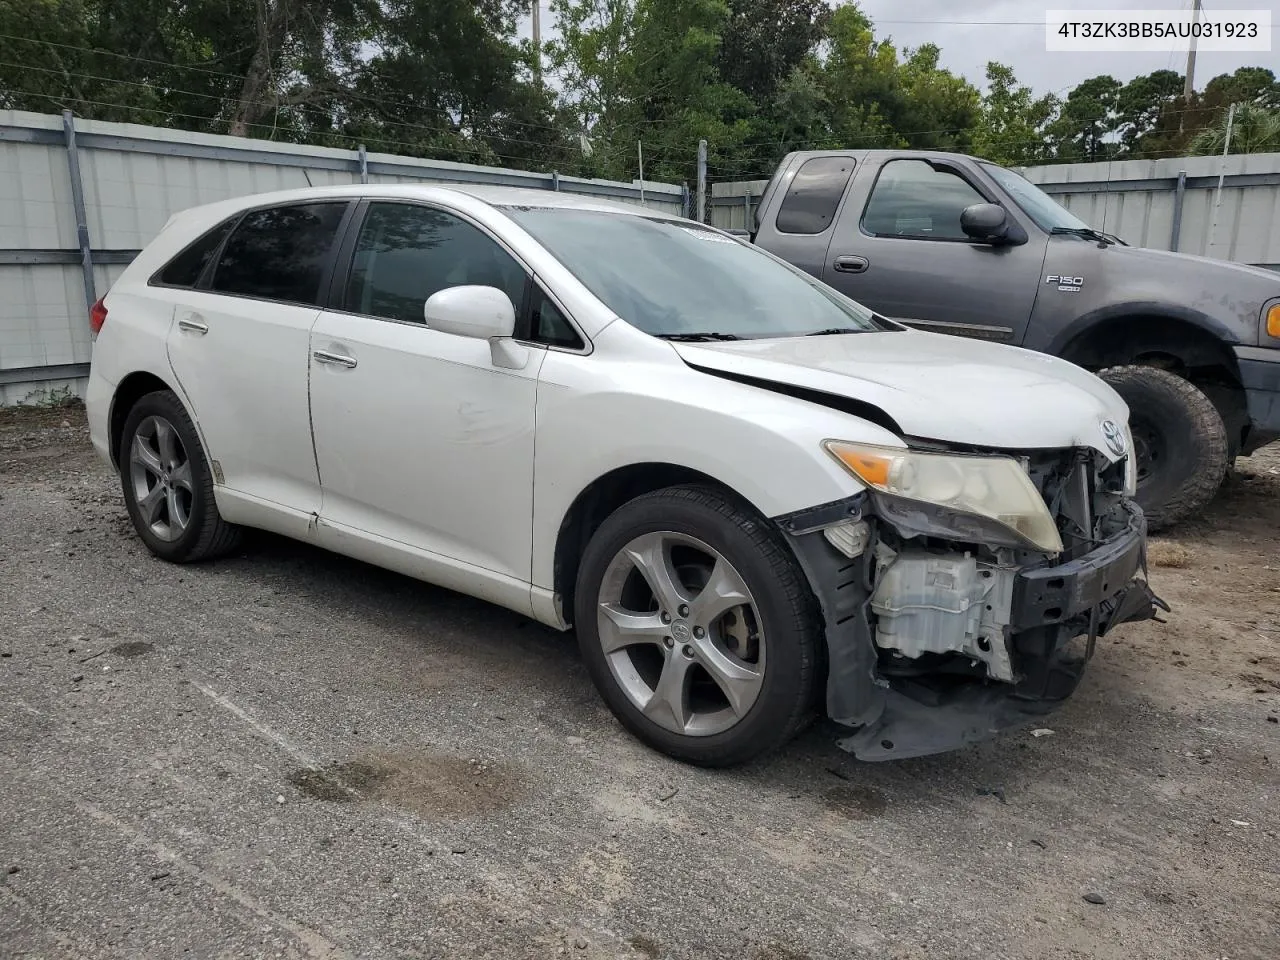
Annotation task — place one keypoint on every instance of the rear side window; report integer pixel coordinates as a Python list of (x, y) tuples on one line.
[(280, 253), (185, 269), (815, 192)]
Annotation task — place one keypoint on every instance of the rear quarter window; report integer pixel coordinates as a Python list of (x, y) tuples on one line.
[(185, 269), (810, 204)]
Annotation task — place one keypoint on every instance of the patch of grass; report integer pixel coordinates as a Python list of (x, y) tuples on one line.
[(1167, 553)]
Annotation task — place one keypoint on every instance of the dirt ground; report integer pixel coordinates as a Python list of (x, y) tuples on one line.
[(290, 754)]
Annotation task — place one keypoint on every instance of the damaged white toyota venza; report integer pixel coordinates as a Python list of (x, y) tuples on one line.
[(752, 498)]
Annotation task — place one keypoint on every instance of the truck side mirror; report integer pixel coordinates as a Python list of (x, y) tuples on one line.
[(987, 222)]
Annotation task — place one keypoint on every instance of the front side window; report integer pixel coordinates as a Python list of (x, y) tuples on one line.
[(673, 278), (407, 252), (185, 269), (912, 199), (280, 253), (815, 192)]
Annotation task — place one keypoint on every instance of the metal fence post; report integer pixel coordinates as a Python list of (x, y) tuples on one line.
[(555, 180), (746, 206), (1180, 192), (702, 181), (362, 156), (77, 202), (686, 201)]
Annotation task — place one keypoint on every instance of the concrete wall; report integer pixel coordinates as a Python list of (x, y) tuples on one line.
[(133, 179)]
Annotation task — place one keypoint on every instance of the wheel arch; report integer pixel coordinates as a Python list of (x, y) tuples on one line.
[(1189, 342), (128, 392), (601, 497)]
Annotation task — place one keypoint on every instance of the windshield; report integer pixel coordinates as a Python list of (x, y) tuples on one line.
[(1039, 206), (674, 279)]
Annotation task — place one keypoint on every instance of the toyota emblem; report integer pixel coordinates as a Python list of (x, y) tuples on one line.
[(1114, 436)]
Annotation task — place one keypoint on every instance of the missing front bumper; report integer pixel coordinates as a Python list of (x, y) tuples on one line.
[(898, 717)]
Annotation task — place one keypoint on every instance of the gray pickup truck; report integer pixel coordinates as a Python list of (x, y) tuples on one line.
[(958, 245)]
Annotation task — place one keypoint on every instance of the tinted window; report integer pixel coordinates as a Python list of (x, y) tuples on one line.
[(815, 192), (406, 252), (279, 254), (912, 199), (549, 324), (185, 269)]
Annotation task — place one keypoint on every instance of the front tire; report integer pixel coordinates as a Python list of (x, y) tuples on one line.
[(1180, 439), (698, 627), (167, 485)]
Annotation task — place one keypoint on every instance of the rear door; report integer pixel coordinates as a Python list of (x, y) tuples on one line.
[(799, 226), (898, 248), (239, 345)]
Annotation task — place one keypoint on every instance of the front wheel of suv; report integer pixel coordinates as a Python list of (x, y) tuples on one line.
[(1180, 442), (698, 627)]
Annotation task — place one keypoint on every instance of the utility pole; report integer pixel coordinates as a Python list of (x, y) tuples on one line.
[(1222, 173), (1189, 86), (537, 41), (702, 181)]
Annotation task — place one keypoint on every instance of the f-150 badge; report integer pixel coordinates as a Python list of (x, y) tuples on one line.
[(1066, 284)]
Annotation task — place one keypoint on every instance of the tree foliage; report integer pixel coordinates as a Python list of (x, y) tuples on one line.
[(451, 79)]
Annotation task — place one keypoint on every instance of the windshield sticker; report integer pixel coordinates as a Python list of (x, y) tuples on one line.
[(707, 235)]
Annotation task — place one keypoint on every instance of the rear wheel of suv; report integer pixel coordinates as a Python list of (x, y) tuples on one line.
[(1180, 442), (698, 627), (168, 488)]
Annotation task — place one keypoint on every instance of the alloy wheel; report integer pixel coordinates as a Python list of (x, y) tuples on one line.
[(160, 478), (681, 633)]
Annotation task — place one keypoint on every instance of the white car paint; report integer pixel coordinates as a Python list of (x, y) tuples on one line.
[(431, 460), (937, 386)]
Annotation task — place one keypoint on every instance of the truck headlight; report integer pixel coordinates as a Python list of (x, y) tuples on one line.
[(993, 487)]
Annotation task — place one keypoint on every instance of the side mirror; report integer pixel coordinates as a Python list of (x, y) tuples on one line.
[(987, 222), (484, 313)]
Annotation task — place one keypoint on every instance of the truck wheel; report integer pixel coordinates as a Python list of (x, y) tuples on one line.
[(1180, 442), (698, 627)]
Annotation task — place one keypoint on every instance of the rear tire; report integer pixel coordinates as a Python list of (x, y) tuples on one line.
[(167, 484), (748, 678), (1180, 440)]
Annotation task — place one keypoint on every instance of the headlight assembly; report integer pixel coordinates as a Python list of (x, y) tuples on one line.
[(993, 487)]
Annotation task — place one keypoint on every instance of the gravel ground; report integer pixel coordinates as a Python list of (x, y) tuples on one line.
[(290, 754)]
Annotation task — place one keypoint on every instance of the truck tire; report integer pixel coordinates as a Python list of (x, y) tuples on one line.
[(1180, 442)]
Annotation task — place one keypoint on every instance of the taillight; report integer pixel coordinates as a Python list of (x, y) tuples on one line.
[(97, 316)]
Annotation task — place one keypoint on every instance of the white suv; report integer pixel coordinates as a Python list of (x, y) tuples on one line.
[(753, 498)]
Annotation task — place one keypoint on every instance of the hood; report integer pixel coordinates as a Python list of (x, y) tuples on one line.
[(1166, 260), (934, 386)]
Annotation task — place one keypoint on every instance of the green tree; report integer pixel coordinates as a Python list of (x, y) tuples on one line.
[(1012, 120), (1149, 114), (1086, 121), (1254, 129)]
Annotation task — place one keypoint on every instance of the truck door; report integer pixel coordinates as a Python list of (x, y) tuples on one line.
[(898, 248)]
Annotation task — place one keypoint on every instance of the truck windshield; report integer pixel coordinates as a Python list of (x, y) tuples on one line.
[(680, 280), (1039, 206)]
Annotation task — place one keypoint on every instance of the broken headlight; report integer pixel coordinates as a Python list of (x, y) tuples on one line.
[(993, 487)]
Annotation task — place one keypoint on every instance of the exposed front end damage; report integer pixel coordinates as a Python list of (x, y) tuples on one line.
[(943, 631)]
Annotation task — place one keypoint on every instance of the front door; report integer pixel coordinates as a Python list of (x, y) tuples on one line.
[(899, 249), (419, 437)]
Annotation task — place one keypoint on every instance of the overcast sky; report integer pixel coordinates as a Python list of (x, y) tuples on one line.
[(1017, 39), (973, 32)]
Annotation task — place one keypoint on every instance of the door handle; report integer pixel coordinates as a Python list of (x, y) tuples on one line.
[(851, 264), (192, 323), (337, 359)]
